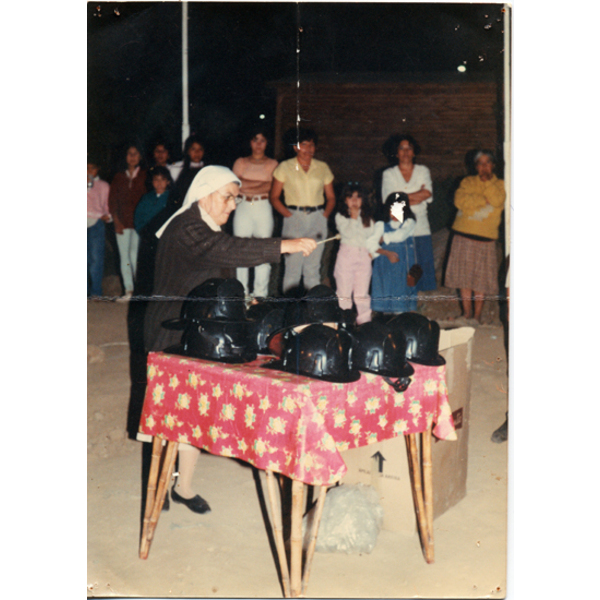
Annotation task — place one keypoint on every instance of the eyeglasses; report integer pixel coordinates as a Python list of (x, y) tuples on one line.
[(236, 199)]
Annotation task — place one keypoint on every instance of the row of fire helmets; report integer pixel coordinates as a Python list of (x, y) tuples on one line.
[(214, 323), (338, 355), (217, 326)]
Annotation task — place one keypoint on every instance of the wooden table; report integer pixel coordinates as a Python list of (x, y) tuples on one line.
[(292, 425)]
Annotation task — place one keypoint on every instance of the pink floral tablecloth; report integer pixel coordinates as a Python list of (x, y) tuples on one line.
[(286, 423)]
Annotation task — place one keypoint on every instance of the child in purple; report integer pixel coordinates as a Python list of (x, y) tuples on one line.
[(353, 265)]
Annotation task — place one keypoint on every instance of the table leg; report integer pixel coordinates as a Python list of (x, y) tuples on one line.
[(151, 492), (313, 537), (165, 476), (278, 532), (428, 485), (296, 538), (295, 582), (414, 462)]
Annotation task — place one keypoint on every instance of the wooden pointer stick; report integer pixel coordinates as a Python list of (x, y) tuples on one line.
[(335, 237)]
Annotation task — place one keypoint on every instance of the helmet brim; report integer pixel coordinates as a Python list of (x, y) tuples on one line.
[(180, 351), (406, 371), (437, 362), (179, 324), (277, 365), (233, 360), (176, 324)]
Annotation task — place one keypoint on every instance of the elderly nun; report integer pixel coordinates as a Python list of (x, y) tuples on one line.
[(191, 249)]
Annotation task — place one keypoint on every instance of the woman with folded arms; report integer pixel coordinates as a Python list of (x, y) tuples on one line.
[(415, 181), (472, 262), (253, 217)]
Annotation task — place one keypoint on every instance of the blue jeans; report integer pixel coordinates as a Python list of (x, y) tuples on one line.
[(95, 258)]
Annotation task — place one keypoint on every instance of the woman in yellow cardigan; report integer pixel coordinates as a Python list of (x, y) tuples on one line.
[(472, 264)]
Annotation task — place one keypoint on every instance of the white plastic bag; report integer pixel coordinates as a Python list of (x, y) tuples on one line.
[(351, 520)]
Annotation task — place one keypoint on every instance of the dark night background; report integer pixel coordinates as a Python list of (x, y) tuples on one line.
[(236, 49), (555, 123)]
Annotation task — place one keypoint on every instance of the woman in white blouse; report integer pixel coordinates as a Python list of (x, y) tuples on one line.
[(415, 181)]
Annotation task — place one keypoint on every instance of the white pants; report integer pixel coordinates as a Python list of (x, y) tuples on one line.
[(254, 219), (304, 224), (128, 242)]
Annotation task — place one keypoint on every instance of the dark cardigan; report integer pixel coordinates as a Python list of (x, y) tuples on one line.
[(123, 199), (181, 187), (189, 253)]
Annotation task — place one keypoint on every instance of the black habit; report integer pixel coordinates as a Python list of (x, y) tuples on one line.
[(189, 253)]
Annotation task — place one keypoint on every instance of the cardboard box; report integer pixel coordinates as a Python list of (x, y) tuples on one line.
[(384, 465)]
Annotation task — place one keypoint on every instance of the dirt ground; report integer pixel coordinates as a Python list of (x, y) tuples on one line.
[(226, 553)]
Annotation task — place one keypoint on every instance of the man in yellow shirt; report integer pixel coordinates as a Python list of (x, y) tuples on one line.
[(307, 185)]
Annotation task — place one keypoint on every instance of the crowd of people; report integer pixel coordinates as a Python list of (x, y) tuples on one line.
[(385, 254), (169, 220)]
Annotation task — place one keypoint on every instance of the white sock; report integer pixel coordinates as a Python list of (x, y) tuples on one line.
[(188, 457)]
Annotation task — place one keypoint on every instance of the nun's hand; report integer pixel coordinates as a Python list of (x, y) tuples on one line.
[(304, 245)]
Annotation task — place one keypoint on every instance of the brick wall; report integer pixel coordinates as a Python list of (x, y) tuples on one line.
[(447, 116)]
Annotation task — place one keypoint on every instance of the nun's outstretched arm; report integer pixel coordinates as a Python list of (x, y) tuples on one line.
[(197, 244), (304, 245)]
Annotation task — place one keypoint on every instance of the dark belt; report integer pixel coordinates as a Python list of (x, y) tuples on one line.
[(254, 198), (307, 209)]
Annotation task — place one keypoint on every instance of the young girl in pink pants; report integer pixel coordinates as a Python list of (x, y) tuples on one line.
[(353, 265)]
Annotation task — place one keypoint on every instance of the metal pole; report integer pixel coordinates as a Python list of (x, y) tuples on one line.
[(185, 127), (507, 127)]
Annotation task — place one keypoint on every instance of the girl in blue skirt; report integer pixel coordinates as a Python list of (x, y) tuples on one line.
[(390, 292)]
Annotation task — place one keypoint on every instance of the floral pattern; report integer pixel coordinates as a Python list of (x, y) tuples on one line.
[(290, 424)]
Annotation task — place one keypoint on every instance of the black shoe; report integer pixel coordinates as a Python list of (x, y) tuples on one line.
[(166, 504), (501, 434), (196, 504)]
